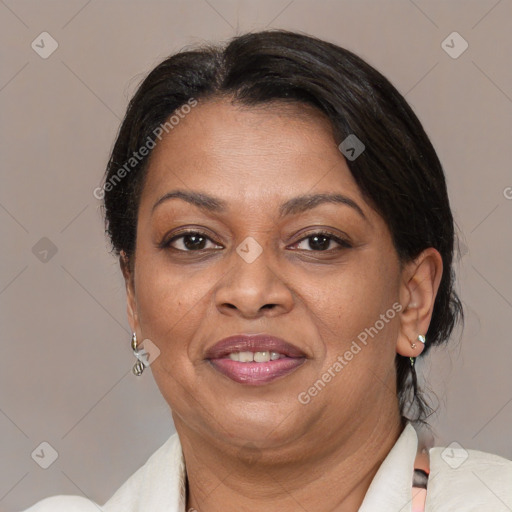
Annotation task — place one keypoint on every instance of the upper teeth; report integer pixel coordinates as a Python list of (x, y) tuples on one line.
[(258, 357)]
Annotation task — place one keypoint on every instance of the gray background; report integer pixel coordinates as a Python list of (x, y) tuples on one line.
[(65, 374)]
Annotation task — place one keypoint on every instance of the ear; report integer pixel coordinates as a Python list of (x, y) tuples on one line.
[(418, 290), (131, 304)]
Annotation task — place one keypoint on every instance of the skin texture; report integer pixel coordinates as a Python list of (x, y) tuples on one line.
[(257, 447)]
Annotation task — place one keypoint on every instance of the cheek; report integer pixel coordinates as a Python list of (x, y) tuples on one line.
[(170, 306), (353, 298), (169, 302), (359, 327)]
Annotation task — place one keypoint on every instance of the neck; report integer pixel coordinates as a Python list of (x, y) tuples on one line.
[(216, 482)]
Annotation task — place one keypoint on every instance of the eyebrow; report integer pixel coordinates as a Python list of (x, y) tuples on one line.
[(293, 206)]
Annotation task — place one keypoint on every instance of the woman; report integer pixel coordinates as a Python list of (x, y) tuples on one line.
[(283, 227)]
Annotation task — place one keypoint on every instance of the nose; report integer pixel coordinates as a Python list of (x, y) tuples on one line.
[(252, 289)]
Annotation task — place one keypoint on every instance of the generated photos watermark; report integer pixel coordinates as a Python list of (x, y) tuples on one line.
[(305, 397), (145, 149)]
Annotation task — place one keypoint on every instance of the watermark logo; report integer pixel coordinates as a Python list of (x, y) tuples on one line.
[(462, 250), (454, 455), (305, 397), (145, 149), (249, 453), (351, 147), (44, 45), (44, 250), (147, 352), (45, 455), (249, 250), (454, 45)]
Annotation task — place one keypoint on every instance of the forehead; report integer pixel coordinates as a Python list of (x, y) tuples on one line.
[(278, 149)]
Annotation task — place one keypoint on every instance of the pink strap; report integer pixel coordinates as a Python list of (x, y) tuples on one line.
[(419, 494)]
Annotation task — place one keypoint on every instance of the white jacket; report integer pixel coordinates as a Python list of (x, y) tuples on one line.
[(481, 483)]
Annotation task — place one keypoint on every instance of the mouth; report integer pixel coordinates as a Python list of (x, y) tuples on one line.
[(255, 359)]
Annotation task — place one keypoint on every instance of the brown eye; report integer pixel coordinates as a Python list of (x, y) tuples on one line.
[(191, 241), (321, 242)]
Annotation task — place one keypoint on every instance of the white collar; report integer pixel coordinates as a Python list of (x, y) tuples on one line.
[(391, 487), (159, 485)]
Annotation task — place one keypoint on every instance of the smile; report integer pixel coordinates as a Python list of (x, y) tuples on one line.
[(248, 370)]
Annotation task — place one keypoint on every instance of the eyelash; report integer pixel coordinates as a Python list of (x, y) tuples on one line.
[(343, 244)]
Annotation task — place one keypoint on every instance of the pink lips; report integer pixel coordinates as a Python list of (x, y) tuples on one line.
[(254, 373)]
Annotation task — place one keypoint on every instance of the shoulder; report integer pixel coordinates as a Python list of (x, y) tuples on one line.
[(468, 480), (159, 485), (64, 504), (156, 486)]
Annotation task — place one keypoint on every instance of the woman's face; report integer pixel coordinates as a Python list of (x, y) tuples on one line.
[(325, 295)]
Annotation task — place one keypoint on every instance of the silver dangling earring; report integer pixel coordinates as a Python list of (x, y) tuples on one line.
[(422, 339), (139, 366)]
